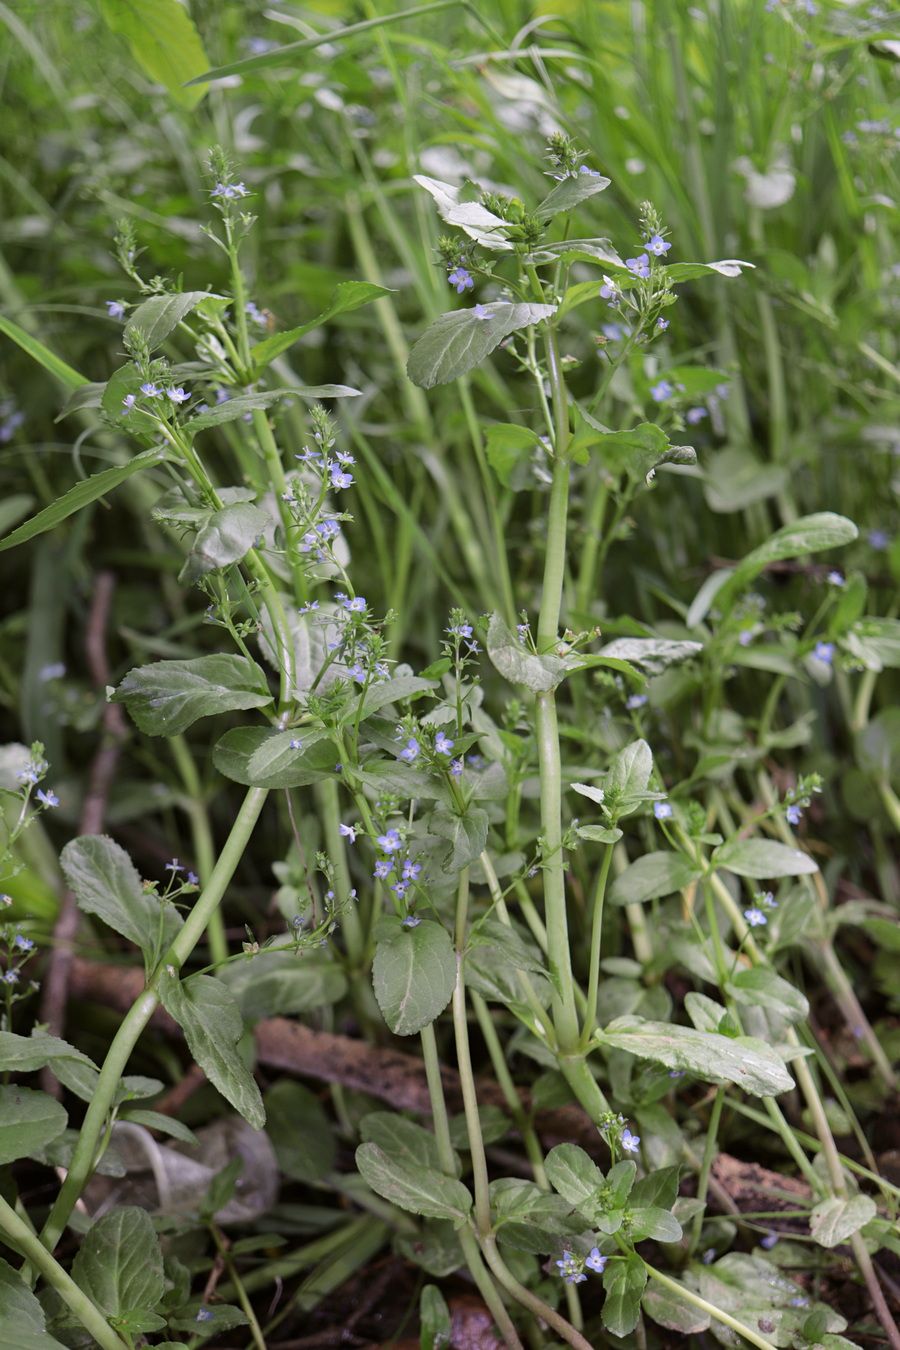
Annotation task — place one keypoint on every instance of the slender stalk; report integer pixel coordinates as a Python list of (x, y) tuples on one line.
[(75, 1299), (535, 1305), (590, 1020), (136, 1019), (725, 1318), (508, 1087), (202, 840), (464, 1063), (709, 1153)]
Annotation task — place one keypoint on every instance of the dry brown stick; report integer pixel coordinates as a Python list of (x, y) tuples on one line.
[(54, 992)]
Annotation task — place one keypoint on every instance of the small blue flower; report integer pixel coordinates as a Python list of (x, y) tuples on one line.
[(639, 266), (755, 918), (661, 391), (174, 866), (460, 630), (11, 977), (798, 1302), (24, 944), (308, 607), (630, 1141), (390, 842), (295, 744), (230, 190), (595, 1261), (339, 479), (410, 921), (203, 1315), (793, 815), (193, 879), (349, 831), (877, 540), (116, 309), (410, 750), (662, 810), (357, 605), (461, 279), (589, 173), (481, 313), (383, 868), (571, 1268), (824, 652), (836, 579), (178, 395), (635, 701), (456, 768), (442, 744), (47, 798), (657, 245), (411, 870), (768, 1241), (151, 390), (609, 290), (662, 324), (695, 415)]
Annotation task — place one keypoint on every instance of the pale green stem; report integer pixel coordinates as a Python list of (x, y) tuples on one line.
[(725, 1318), (508, 1087), (471, 1252), (709, 1153), (202, 841), (136, 1019), (242, 1296), (535, 1305), (464, 1064), (21, 1235), (590, 1019)]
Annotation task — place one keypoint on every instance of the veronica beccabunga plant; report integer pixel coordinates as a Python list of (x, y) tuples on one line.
[(443, 876)]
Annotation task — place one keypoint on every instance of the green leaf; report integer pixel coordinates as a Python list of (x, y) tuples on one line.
[(752, 1064), (674, 1311), (65, 374), (395, 690), (503, 939), (574, 1175), (262, 757), (119, 1264), (283, 984), (421, 1190), (300, 1131), (630, 769), (408, 1144), (466, 835), (434, 1316), (458, 341), (155, 1120), (761, 858), (414, 973), (877, 745), (762, 988), (204, 1009), (832, 1221), (576, 250), (659, 1188), (809, 534), (457, 207), (166, 697), (227, 536), (652, 876), (653, 1222), (163, 41), (570, 192), (24, 1054), (654, 654), (517, 664), (347, 296), (235, 407), (19, 1309), (156, 318), (106, 883), (85, 396), (507, 446), (81, 495), (875, 642), (726, 267), (223, 1317), (28, 1120), (623, 1279)]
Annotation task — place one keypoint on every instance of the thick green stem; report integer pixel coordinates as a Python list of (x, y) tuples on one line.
[(136, 1019), (709, 1153), (464, 1063), (76, 1299), (194, 805), (508, 1087)]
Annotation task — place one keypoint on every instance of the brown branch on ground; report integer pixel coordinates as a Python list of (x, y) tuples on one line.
[(54, 989)]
